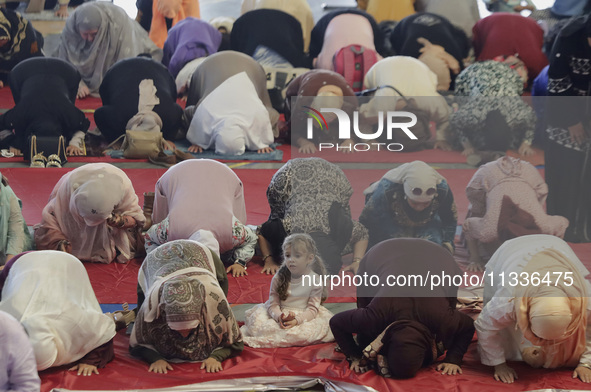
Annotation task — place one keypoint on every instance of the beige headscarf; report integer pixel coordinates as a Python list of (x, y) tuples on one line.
[(146, 119), (554, 317), (416, 174)]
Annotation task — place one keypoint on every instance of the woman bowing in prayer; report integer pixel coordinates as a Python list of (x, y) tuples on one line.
[(186, 316), (188, 40), (543, 322), (18, 369), (14, 233), (214, 215), (329, 89), (311, 196), (96, 36), (403, 329), (68, 329), (492, 117), (138, 93), (18, 41), (507, 199), (92, 213), (49, 85), (412, 200)]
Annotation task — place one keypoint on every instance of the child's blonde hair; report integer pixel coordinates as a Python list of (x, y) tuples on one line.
[(305, 242)]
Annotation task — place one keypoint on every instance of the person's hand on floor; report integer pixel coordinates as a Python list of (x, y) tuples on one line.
[(353, 267), (346, 146), (468, 151), (62, 12), (442, 145), (64, 246), (525, 150), (505, 374), (84, 369), (583, 373), (195, 148), (1, 84), (160, 366), (306, 146), (74, 150), (449, 369), (83, 91), (168, 145), (270, 267), (211, 365), (475, 267), (264, 150), (15, 151), (236, 270), (359, 365), (577, 133)]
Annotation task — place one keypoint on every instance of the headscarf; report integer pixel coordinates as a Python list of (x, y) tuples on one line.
[(232, 119), (118, 37), (182, 292), (50, 294), (308, 84), (218, 67), (390, 10), (413, 175), (17, 242), (554, 317), (276, 30), (488, 79), (177, 10), (146, 119), (319, 31), (79, 206), (16, 28), (223, 21), (411, 77), (569, 7), (189, 39), (507, 34), (344, 30), (299, 9), (200, 194)]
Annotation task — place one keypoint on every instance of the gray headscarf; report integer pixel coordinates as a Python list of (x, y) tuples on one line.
[(118, 37)]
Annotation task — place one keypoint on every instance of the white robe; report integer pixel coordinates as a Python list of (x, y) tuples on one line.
[(499, 338), (50, 294), (232, 119)]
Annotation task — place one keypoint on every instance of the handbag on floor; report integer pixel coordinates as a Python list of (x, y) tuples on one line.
[(141, 144), (48, 146)]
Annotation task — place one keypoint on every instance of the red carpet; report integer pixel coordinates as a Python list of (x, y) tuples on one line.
[(126, 372)]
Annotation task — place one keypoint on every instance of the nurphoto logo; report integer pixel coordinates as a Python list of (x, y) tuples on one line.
[(394, 120)]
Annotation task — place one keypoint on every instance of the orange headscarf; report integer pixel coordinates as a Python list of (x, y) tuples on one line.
[(176, 10), (568, 301)]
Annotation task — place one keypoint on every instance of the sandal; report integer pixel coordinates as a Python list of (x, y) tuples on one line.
[(54, 161), (38, 160), (124, 317)]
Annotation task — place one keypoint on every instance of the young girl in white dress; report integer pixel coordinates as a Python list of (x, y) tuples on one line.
[(293, 315)]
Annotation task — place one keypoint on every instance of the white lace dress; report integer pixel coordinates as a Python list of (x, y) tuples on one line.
[(261, 328)]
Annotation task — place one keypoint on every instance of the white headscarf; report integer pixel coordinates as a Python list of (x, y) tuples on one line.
[(232, 118), (50, 294), (416, 174)]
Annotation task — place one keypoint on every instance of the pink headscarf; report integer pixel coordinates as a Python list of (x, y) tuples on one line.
[(79, 207), (200, 194)]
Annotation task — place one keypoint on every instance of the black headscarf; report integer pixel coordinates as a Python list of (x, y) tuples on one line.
[(274, 29), (317, 37)]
